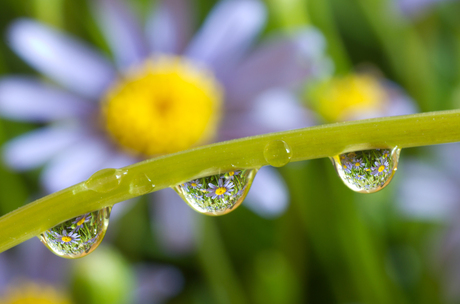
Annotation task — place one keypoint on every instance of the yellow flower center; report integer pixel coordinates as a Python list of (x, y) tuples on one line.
[(167, 105), (231, 173), (357, 164), (349, 97), (193, 184), (28, 293), (80, 222), (221, 190), (66, 239), (381, 168)]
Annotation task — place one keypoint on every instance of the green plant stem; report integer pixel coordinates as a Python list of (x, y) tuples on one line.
[(169, 170)]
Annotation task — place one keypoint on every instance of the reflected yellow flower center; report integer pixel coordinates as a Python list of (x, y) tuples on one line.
[(193, 184), (381, 168), (231, 173), (167, 105), (349, 97), (28, 293), (80, 222), (221, 190), (66, 239)]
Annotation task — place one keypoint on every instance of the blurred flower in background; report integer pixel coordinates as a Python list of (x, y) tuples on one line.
[(416, 7), (29, 274), (166, 92), (359, 96)]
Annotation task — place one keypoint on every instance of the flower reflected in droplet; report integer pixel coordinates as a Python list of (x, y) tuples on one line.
[(67, 238), (221, 189)]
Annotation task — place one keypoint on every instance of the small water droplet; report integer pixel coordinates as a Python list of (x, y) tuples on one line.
[(141, 185), (277, 153), (217, 194), (105, 180), (367, 171), (79, 236)]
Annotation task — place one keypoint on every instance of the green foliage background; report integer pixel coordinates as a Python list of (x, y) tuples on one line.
[(332, 245)]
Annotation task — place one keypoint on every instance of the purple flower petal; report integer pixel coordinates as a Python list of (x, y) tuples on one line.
[(27, 99), (37, 147), (227, 32), (169, 26), (268, 196), (62, 58), (273, 111), (278, 63), (173, 223), (75, 164), (122, 31), (426, 192)]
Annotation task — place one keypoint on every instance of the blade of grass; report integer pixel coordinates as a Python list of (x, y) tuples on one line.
[(169, 170)]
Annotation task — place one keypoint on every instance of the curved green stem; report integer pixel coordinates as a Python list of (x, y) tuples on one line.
[(108, 187)]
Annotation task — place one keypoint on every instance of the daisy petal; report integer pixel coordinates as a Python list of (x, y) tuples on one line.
[(273, 111), (75, 164), (268, 196), (119, 160), (31, 100), (426, 192), (122, 32), (169, 26), (227, 32), (280, 62), (37, 147), (62, 58), (173, 222), (157, 283)]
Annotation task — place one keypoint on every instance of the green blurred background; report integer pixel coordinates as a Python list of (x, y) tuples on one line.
[(331, 245)]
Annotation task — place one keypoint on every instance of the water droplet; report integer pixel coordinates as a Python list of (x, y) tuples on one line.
[(79, 236), (367, 171), (141, 185), (105, 180), (277, 153), (217, 194)]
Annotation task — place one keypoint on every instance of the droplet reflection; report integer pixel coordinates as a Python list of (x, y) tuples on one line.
[(367, 171), (79, 236), (217, 194)]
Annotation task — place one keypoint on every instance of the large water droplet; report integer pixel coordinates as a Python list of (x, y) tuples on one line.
[(79, 236), (217, 194), (105, 180), (277, 153), (140, 185), (367, 171)]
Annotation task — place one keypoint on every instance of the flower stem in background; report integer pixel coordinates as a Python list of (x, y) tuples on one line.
[(110, 186)]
